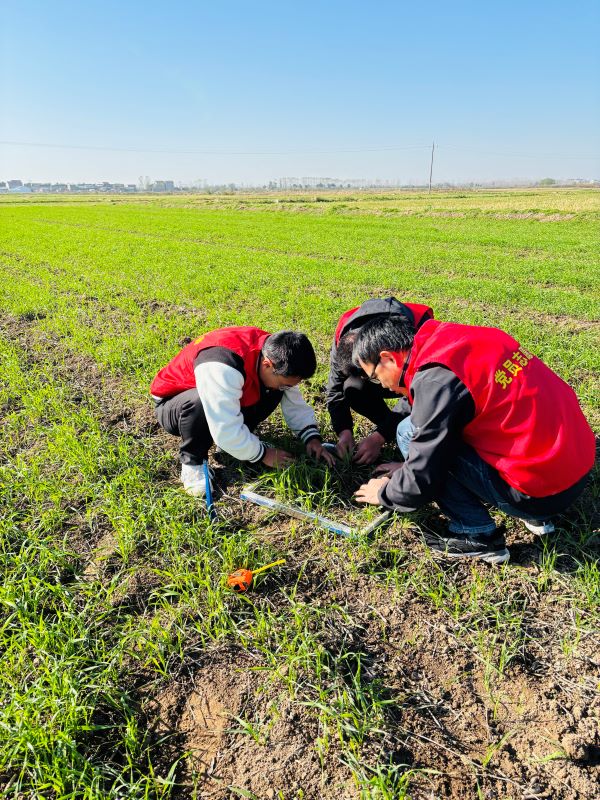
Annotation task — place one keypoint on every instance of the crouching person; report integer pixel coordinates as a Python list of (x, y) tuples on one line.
[(490, 424), (348, 389), (222, 385)]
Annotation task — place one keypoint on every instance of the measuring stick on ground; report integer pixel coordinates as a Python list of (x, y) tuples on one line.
[(340, 528)]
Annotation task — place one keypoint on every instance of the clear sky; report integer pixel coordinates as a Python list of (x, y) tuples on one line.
[(235, 90)]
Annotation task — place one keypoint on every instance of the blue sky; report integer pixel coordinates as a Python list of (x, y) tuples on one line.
[(252, 91)]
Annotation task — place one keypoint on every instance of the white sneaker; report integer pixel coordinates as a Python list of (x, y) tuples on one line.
[(539, 528), (192, 477)]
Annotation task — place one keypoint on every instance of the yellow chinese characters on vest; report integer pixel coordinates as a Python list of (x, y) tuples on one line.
[(512, 367)]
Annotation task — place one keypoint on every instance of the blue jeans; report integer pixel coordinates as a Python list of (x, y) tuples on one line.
[(466, 485)]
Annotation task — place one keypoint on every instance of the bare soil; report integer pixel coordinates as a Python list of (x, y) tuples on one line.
[(202, 715)]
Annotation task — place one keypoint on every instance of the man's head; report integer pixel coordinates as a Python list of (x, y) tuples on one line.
[(344, 350), (287, 358), (381, 350)]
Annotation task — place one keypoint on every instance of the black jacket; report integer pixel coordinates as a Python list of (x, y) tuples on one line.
[(337, 405)]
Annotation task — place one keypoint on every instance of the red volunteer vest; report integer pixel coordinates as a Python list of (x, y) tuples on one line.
[(528, 424), (419, 312), (178, 375)]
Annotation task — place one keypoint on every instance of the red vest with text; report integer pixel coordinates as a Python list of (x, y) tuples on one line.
[(419, 313), (528, 424), (178, 375)]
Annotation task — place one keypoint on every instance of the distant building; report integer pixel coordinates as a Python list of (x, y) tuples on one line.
[(162, 186), (14, 184)]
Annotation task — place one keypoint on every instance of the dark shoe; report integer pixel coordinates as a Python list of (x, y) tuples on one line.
[(490, 548)]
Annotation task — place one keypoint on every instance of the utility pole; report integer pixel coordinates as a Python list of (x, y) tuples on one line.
[(431, 165)]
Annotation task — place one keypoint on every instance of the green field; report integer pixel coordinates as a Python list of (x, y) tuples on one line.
[(360, 669)]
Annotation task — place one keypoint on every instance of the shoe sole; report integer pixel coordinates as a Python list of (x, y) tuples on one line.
[(499, 557)]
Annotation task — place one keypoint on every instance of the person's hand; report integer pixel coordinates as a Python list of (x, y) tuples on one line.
[(388, 468), (367, 450), (345, 444), (369, 492), (315, 449), (276, 458)]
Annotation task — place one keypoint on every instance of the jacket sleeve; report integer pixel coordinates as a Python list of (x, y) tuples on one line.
[(337, 405), (220, 388), (299, 416), (442, 406)]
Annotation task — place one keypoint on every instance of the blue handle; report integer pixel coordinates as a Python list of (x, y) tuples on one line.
[(212, 513)]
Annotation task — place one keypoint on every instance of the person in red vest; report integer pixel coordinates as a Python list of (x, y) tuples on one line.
[(490, 423), (348, 390), (221, 385)]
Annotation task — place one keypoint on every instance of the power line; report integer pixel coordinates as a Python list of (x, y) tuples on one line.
[(215, 152), (514, 155), (382, 149)]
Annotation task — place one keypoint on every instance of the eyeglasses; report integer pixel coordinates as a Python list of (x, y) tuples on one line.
[(372, 377)]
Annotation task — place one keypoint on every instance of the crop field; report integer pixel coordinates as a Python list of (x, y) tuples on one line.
[(362, 668)]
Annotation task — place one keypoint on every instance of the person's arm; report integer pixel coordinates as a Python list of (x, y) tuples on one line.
[(220, 387), (337, 405), (298, 415), (442, 406), (301, 419), (387, 426)]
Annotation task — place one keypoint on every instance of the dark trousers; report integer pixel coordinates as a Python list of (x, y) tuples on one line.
[(368, 399), (471, 483), (183, 415)]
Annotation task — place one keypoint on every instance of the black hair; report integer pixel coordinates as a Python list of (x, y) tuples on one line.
[(343, 354), (389, 333), (292, 354)]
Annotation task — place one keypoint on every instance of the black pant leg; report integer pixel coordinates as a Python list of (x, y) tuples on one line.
[(269, 400), (183, 415), (368, 399)]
